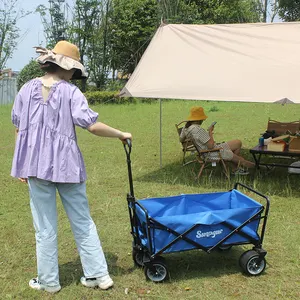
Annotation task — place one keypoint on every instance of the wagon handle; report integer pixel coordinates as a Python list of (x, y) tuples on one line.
[(254, 191), (127, 147), (266, 210)]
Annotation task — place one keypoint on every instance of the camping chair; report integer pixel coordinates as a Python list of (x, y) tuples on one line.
[(187, 145), (205, 161)]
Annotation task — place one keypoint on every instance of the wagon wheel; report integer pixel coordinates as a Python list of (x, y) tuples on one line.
[(224, 248), (251, 263), (137, 256), (156, 271)]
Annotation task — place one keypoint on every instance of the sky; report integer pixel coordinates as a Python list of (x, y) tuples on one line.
[(35, 34), (32, 32)]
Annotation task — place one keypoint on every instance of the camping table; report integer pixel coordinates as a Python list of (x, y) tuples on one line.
[(259, 151)]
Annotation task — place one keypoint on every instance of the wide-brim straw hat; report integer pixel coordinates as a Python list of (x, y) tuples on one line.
[(64, 54), (197, 114)]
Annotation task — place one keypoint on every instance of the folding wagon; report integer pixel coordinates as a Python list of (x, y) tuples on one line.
[(208, 222)]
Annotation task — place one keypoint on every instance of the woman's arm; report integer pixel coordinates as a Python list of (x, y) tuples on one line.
[(210, 144), (16, 136), (101, 129)]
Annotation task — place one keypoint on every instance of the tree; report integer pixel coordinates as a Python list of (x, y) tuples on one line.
[(289, 10), (269, 8), (9, 31), (30, 71), (55, 21), (179, 11), (133, 24), (98, 50), (224, 12)]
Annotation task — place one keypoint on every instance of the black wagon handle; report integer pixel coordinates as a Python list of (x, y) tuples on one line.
[(128, 147), (254, 191)]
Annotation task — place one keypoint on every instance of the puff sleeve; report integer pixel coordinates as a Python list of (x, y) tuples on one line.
[(82, 115), (17, 110)]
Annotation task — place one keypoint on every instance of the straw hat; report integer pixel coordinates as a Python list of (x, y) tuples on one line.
[(197, 114), (65, 55)]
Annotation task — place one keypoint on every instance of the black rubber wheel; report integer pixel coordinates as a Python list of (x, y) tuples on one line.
[(224, 248), (137, 256), (156, 271), (249, 262)]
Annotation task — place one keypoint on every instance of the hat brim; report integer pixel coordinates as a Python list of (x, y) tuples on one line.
[(65, 63), (196, 119)]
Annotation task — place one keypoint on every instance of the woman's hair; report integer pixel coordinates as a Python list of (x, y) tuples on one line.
[(50, 67), (189, 123)]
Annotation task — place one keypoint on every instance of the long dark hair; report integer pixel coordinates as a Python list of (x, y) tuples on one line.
[(50, 67)]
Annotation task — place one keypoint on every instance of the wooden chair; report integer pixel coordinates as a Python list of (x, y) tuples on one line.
[(205, 161), (187, 145)]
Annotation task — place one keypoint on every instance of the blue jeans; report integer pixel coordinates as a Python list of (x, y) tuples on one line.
[(44, 213)]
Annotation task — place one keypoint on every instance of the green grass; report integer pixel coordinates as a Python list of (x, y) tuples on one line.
[(194, 274)]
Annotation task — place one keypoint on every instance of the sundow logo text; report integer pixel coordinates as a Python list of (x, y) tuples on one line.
[(207, 234)]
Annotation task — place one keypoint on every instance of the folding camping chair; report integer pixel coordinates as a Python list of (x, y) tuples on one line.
[(203, 159), (187, 145)]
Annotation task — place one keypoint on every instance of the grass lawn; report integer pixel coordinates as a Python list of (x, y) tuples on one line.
[(194, 274)]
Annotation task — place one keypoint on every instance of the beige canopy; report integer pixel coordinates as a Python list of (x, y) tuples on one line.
[(233, 62)]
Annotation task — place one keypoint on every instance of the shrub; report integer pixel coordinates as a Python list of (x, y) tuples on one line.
[(106, 97), (213, 108), (30, 71), (114, 85), (103, 97)]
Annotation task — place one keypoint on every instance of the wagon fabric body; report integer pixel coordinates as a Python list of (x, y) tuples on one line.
[(209, 218)]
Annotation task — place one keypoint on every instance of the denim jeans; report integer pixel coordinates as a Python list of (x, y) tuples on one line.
[(44, 213)]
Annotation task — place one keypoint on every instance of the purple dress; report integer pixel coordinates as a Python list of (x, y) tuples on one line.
[(46, 145)]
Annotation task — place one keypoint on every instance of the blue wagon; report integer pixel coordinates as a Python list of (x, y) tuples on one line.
[(196, 221)]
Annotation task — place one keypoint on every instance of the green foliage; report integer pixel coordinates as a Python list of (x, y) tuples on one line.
[(55, 21), (9, 31), (133, 24), (112, 97), (114, 85), (103, 97), (30, 71), (210, 11), (214, 108), (289, 10)]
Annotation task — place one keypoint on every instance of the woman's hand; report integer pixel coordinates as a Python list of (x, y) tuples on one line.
[(125, 135), (24, 180), (211, 130)]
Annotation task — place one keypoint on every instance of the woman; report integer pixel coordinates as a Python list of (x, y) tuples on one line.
[(47, 156), (204, 140)]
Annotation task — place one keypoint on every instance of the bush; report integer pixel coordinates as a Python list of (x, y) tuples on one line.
[(30, 71), (107, 97), (112, 97), (114, 85), (214, 108)]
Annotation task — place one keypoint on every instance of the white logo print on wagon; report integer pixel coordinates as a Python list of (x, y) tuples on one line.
[(211, 234)]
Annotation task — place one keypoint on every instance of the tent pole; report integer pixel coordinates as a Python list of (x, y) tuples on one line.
[(160, 133)]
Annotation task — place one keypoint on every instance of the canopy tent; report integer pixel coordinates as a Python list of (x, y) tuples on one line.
[(231, 62)]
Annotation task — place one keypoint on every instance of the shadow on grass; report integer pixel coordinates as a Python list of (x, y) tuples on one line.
[(194, 264), (197, 263), (270, 182), (72, 271)]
